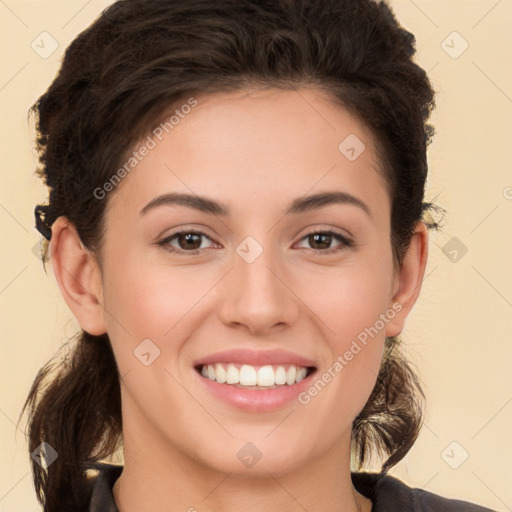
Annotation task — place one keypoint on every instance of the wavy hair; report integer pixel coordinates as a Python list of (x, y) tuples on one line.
[(141, 58)]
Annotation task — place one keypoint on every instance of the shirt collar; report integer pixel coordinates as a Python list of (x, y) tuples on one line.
[(102, 498), (385, 492)]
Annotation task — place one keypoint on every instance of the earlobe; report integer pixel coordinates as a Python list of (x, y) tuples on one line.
[(410, 278), (78, 276)]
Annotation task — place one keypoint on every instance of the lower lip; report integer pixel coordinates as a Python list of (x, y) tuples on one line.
[(255, 400)]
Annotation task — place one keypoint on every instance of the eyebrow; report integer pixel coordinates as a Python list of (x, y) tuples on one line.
[(299, 205)]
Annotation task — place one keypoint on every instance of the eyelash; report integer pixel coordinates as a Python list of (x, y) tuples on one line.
[(345, 242)]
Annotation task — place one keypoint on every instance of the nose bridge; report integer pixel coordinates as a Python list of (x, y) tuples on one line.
[(257, 295)]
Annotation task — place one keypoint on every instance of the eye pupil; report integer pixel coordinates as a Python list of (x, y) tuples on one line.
[(318, 236), (189, 238)]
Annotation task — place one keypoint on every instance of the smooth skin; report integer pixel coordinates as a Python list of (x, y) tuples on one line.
[(256, 152)]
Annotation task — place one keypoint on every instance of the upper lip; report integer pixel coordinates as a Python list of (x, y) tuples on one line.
[(256, 358)]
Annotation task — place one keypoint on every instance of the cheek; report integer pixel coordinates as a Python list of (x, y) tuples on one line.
[(147, 298), (350, 299), (162, 303), (354, 307), (140, 305), (154, 303)]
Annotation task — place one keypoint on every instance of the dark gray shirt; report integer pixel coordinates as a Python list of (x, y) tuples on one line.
[(388, 494)]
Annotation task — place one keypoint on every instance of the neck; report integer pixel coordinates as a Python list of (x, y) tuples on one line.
[(149, 483), (159, 476)]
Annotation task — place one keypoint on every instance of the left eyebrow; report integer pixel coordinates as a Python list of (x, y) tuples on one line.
[(299, 205), (202, 204)]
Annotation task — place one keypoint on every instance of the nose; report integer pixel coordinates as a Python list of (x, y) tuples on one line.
[(258, 296)]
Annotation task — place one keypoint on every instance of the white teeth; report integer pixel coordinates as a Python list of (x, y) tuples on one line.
[(219, 374), (266, 376), (280, 375), (248, 375), (232, 374), (301, 374), (290, 375)]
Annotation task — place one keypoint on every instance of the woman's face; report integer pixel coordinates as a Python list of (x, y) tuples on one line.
[(260, 289)]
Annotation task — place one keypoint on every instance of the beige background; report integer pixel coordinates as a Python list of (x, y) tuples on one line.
[(459, 332)]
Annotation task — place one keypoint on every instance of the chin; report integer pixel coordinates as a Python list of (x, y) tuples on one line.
[(259, 456)]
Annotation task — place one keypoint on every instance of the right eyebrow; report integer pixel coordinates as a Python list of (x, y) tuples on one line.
[(322, 199)]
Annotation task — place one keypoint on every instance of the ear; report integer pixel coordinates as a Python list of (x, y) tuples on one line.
[(409, 278), (78, 276)]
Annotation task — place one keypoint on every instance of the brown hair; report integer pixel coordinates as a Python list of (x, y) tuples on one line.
[(134, 62)]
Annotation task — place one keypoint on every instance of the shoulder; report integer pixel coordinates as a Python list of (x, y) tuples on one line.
[(390, 494)]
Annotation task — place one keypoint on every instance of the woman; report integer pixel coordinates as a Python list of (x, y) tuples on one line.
[(237, 222)]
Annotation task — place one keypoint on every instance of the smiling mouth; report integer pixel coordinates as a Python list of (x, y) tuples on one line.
[(246, 376)]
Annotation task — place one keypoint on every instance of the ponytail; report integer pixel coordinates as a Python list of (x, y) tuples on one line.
[(74, 406), (391, 420)]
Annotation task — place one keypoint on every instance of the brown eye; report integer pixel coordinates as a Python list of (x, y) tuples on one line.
[(187, 241), (320, 241)]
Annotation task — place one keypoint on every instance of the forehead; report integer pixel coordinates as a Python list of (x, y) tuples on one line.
[(253, 146)]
